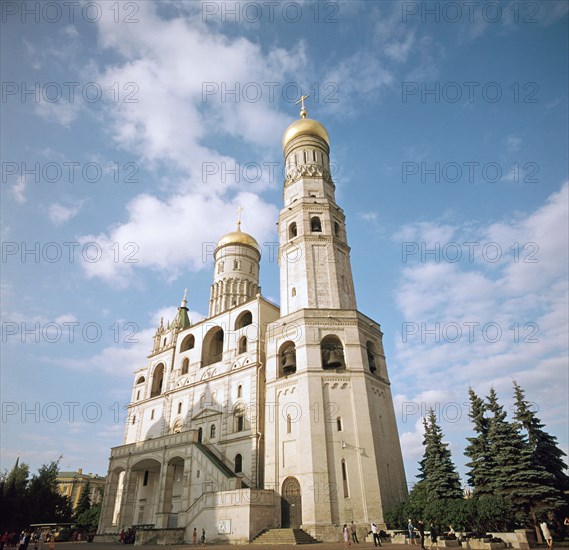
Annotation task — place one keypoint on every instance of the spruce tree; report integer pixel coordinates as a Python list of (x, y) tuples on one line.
[(544, 446), (477, 451), (84, 502), (515, 476), (436, 469)]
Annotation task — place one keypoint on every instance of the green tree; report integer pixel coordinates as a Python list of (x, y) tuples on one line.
[(45, 504), (544, 446), (477, 450), (84, 503), (13, 497), (88, 521), (516, 477), (437, 470)]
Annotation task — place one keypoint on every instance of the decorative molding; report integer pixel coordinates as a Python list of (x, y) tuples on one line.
[(307, 170)]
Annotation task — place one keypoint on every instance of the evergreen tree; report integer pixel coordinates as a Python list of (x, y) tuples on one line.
[(515, 476), (544, 446), (84, 503), (13, 504), (436, 469), (477, 450)]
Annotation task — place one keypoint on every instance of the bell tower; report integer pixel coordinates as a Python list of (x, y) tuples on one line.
[(331, 447), (314, 256)]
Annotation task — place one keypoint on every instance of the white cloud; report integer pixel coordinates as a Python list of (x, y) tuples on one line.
[(19, 190), (513, 143), (59, 214)]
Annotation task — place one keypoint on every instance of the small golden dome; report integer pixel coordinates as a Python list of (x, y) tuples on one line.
[(305, 126), (238, 237)]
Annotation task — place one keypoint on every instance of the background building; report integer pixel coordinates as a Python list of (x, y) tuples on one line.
[(71, 484)]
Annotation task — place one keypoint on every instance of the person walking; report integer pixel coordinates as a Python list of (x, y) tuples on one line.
[(546, 534), (411, 531), (195, 537), (354, 531), (375, 533), (346, 536), (203, 537), (421, 529), (434, 536)]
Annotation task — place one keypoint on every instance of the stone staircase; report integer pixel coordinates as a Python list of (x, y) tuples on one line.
[(284, 536)]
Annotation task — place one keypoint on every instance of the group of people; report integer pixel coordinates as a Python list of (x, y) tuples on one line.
[(22, 541), (350, 534), (195, 537), (417, 534)]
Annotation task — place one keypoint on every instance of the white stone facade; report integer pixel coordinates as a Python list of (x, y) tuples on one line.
[(257, 417)]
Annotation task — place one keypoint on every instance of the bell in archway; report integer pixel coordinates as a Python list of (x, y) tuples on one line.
[(289, 360), (333, 358)]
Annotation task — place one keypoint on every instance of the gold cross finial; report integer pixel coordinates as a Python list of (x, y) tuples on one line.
[(239, 217), (302, 108)]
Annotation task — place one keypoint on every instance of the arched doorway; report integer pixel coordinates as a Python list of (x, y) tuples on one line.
[(291, 504)]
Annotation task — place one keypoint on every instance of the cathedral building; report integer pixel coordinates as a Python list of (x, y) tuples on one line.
[(260, 417)]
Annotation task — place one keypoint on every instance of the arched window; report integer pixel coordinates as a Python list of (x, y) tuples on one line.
[(212, 432), (287, 359), (371, 352), (202, 400), (157, 378), (238, 464), (292, 231), (180, 407), (336, 229), (212, 351), (293, 292), (164, 343), (332, 353), (339, 423), (315, 225), (243, 344), (245, 319), (239, 414), (239, 391), (188, 343), (200, 435), (141, 380), (288, 424), (345, 479), (185, 365)]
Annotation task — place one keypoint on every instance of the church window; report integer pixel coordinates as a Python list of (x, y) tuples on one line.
[(236, 264), (138, 395), (141, 380), (200, 435), (339, 423), (157, 379), (243, 344), (345, 479), (180, 407), (212, 346), (288, 424), (188, 343), (198, 473), (152, 414), (292, 231), (221, 267), (212, 432), (315, 225), (202, 400), (293, 292), (336, 229), (245, 319), (371, 352), (185, 365), (239, 391), (238, 464), (239, 418), (134, 420), (145, 481)]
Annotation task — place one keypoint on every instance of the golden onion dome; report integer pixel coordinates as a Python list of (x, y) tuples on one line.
[(238, 237), (303, 127)]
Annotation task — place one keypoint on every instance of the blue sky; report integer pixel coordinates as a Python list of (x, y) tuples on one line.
[(121, 141)]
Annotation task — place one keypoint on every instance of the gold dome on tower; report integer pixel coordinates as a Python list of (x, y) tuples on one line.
[(238, 236), (305, 127)]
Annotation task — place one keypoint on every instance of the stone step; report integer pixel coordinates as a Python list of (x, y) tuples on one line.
[(284, 536)]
